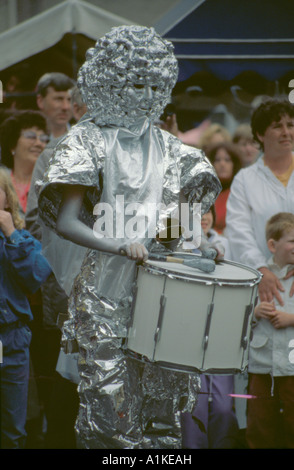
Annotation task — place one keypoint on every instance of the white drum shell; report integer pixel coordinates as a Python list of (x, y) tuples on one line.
[(182, 342)]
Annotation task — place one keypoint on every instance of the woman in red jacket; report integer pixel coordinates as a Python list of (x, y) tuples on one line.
[(226, 160)]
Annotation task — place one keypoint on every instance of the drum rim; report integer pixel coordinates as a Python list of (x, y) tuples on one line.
[(181, 367), (202, 278)]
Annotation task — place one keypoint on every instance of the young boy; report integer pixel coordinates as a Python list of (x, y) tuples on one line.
[(270, 421)]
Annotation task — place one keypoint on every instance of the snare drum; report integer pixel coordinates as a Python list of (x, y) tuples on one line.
[(188, 320)]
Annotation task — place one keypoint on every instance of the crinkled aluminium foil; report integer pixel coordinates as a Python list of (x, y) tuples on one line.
[(123, 403)]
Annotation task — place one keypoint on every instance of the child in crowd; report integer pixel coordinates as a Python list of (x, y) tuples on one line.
[(22, 270), (220, 242), (215, 240), (270, 416), (213, 423)]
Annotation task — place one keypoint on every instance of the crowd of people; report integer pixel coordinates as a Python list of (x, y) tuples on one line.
[(44, 278)]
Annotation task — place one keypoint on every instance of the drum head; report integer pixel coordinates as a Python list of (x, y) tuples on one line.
[(225, 271)]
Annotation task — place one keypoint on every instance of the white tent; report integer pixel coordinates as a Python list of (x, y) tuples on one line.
[(44, 30)]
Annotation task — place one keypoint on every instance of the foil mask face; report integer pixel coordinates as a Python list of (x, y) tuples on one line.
[(129, 74)]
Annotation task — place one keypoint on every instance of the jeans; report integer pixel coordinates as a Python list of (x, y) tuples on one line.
[(14, 379)]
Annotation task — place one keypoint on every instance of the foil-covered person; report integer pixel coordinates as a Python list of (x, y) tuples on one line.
[(117, 152)]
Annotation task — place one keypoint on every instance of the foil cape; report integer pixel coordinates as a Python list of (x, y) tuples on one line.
[(116, 150)]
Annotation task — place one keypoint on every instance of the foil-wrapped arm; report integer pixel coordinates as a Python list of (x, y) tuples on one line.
[(77, 160), (71, 188), (73, 229), (199, 182)]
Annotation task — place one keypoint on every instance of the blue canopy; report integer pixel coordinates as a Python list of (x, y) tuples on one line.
[(230, 37)]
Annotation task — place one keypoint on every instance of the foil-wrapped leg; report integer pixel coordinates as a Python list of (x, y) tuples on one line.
[(134, 406)]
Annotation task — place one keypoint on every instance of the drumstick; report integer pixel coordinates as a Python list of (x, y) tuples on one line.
[(204, 264)]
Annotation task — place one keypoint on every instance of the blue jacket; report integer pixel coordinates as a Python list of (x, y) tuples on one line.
[(23, 269)]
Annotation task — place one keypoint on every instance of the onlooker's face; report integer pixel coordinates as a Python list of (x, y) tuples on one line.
[(223, 165), (207, 222), (30, 144), (78, 111), (56, 105), (279, 137), (248, 150), (283, 249)]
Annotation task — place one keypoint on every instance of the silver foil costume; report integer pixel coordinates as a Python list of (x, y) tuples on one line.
[(114, 150)]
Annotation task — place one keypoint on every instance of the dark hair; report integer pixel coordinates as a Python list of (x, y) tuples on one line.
[(58, 81), (267, 112), (11, 128), (232, 150), (212, 210), (169, 110)]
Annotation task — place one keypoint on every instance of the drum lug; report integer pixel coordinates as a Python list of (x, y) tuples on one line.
[(244, 338), (207, 326), (159, 322), (134, 295)]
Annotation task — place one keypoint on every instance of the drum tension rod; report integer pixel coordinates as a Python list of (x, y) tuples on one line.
[(134, 298), (159, 322), (207, 326), (210, 308), (244, 337)]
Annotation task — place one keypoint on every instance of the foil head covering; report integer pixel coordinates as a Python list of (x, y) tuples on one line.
[(129, 74)]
